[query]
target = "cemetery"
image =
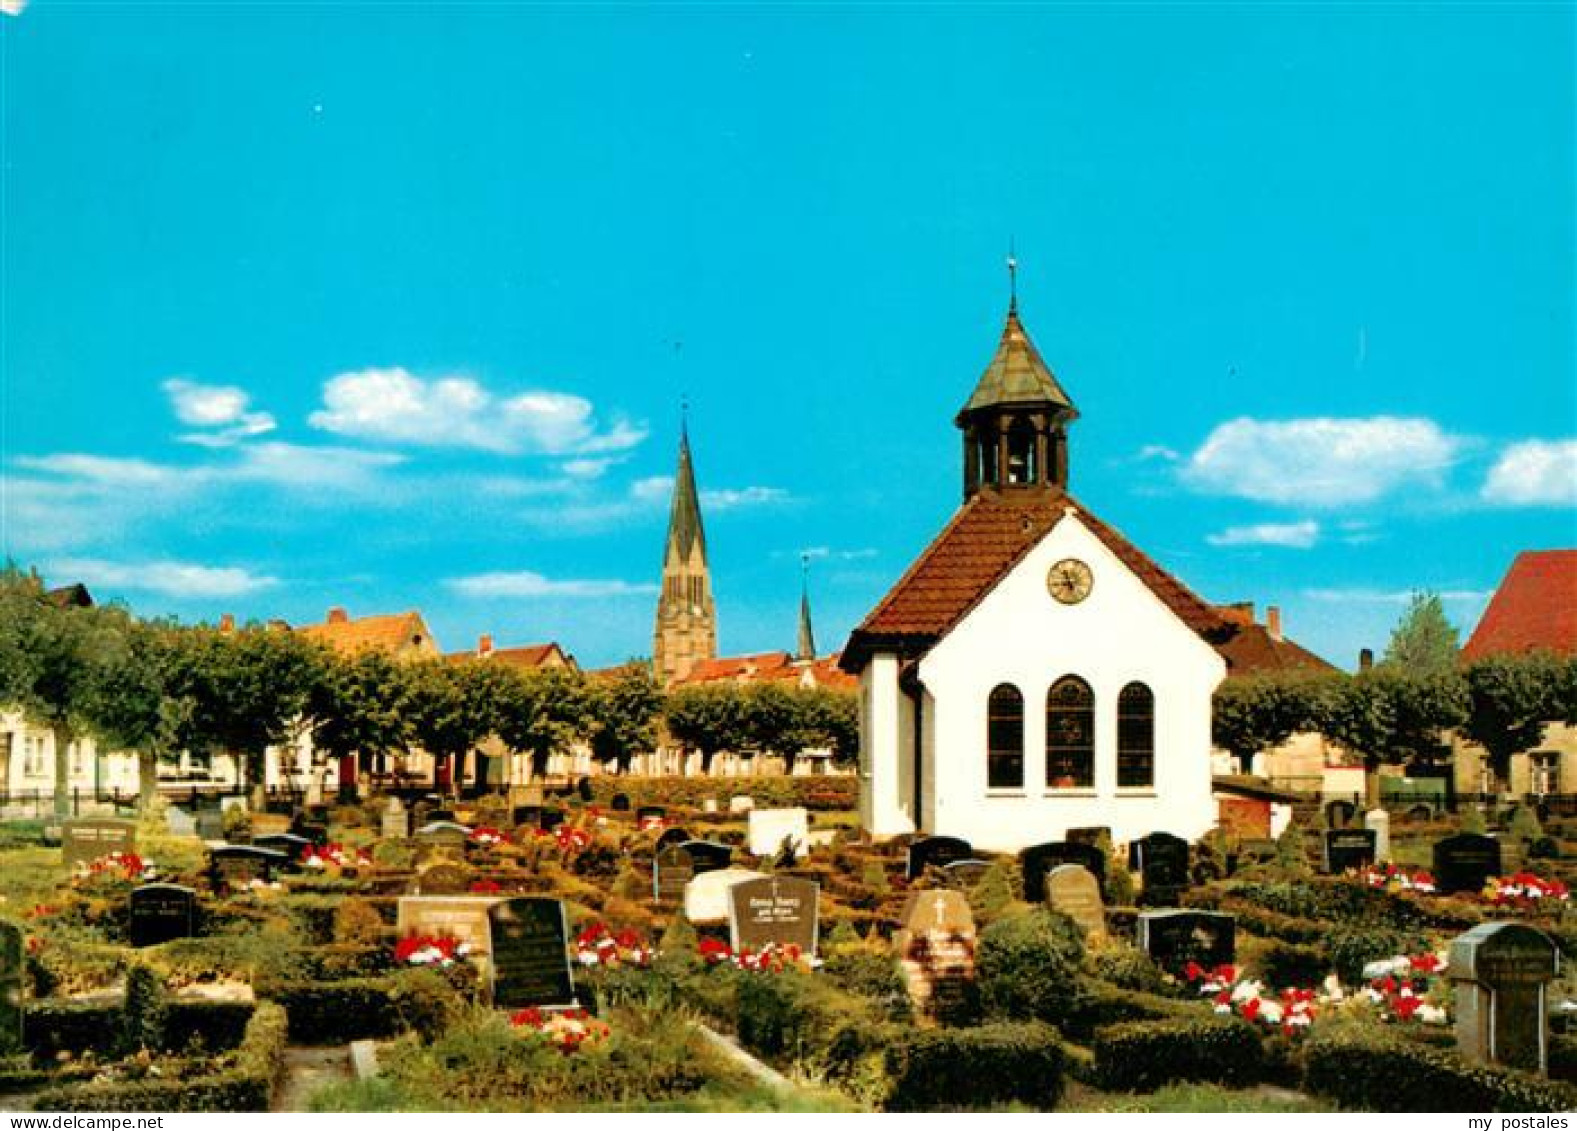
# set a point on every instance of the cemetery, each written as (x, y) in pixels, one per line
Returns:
(621, 958)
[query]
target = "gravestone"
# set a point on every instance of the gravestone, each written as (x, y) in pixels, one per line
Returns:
(86, 839)
(211, 824)
(709, 805)
(1039, 859)
(777, 910)
(620, 803)
(583, 790)
(292, 845)
(1091, 835)
(708, 856)
(446, 834)
(1465, 862)
(936, 852)
(769, 828)
(550, 819)
(672, 836)
(12, 970)
(526, 816)
(1500, 973)
(462, 917)
(438, 813)
(1348, 848)
(649, 815)
(395, 821)
(965, 873)
(530, 953)
(161, 912)
(1378, 821)
(1340, 814)
(1173, 939)
(740, 803)
(672, 870)
(443, 878)
(1075, 891)
(267, 824)
(179, 822)
(706, 896)
(936, 952)
(232, 866)
(1161, 860)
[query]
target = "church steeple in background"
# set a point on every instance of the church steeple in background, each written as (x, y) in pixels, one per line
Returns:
(686, 631)
(805, 648)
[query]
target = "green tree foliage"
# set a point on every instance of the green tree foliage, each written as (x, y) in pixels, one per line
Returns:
(1423, 641)
(142, 703)
(1257, 712)
(452, 708)
(360, 707)
(1511, 700)
(543, 712)
(1389, 715)
(623, 711)
(707, 718)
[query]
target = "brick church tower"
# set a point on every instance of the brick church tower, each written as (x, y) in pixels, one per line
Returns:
(686, 630)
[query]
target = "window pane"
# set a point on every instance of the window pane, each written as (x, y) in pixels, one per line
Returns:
(1136, 736)
(1070, 734)
(1005, 739)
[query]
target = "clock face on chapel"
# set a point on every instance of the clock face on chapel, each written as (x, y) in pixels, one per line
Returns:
(1069, 581)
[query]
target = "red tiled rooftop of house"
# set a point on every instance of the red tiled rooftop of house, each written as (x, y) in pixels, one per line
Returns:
(394, 632)
(1535, 607)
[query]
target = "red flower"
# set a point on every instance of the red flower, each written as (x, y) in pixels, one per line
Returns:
(1250, 1009)
(1193, 971)
(485, 887)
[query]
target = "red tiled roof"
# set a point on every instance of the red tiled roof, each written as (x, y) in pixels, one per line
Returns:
(985, 539)
(1251, 648)
(526, 656)
(395, 632)
(1535, 607)
(764, 667)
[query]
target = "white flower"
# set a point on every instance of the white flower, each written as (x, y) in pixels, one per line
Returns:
(1431, 1015)
(1271, 1011)
(1246, 990)
(1223, 1009)
(1332, 988)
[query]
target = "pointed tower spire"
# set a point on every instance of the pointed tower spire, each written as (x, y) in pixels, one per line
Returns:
(686, 630)
(805, 652)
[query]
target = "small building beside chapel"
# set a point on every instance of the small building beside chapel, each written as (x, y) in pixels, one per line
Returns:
(1034, 671)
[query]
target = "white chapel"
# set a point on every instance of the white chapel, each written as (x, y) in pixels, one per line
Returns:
(1033, 671)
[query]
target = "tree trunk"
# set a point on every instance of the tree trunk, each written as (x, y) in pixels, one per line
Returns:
(1371, 784)
(147, 780)
(62, 735)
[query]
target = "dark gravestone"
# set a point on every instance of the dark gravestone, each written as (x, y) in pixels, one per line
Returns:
(551, 819)
(446, 833)
(648, 813)
(210, 824)
(965, 873)
(620, 803)
(530, 953)
(672, 870)
(232, 866)
(777, 910)
(936, 852)
(707, 856)
(1039, 859)
(672, 836)
(291, 844)
(1093, 835)
(11, 971)
(1348, 848)
(161, 912)
(1161, 860)
(583, 789)
(1340, 814)
(527, 816)
(438, 813)
(1500, 972)
(88, 839)
(1173, 939)
(443, 878)
(1465, 862)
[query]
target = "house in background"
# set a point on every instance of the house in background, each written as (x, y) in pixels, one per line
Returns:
(1534, 609)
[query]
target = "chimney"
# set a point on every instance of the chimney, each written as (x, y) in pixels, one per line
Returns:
(1238, 612)
(338, 615)
(1365, 659)
(227, 622)
(1273, 621)
(484, 644)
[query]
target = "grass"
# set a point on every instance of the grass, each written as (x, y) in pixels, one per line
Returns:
(1193, 1098)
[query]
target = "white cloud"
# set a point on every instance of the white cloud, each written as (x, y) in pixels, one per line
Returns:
(1534, 473)
(822, 553)
(727, 499)
(1320, 461)
(300, 465)
(396, 405)
(103, 470)
(220, 409)
(1296, 535)
(170, 578)
(1158, 452)
(12, 7)
(524, 583)
(1363, 596)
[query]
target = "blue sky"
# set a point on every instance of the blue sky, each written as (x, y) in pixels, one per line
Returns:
(392, 306)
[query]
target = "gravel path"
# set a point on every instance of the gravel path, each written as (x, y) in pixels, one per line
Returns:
(307, 1070)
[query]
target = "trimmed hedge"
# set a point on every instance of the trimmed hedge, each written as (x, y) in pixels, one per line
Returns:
(245, 1083)
(818, 793)
(1027, 967)
(802, 1020)
(336, 1013)
(52, 1027)
(991, 1064)
(1378, 1071)
(1142, 1056)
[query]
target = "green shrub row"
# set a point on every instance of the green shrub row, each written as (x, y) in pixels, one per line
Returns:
(354, 1009)
(981, 1067)
(1378, 1071)
(52, 1027)
(1142, 1056)
(243, 1082)
(819, 793)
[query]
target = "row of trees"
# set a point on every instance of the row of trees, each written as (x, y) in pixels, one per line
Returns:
(1396, 714)
(160, 688)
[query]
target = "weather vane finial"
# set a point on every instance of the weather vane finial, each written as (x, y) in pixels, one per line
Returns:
(1012, 279)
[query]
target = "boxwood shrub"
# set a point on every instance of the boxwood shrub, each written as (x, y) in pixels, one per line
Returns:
(1027, 967)
(1375, 1070)
(979, 1067)
(803, 1021)
(1142, 1056)
(354, 1009)
(817, 793)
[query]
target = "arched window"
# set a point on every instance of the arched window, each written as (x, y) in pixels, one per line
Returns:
(1070, 734)
(988, 460)
(1005, 738)
(1021, 454)
(1135, 736)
